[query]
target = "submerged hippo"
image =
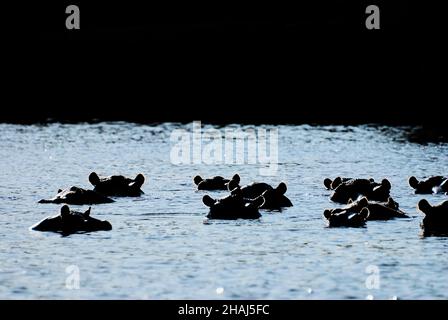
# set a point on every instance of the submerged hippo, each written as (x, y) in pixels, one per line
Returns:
(77, 196)
(333, 184)
(68, 222)
(117, 186)
(346, 219)
(274, 198)
(435, 221)
(215, 183)
(233, 206)
(377, 210)
(355, 188)
(436, 184)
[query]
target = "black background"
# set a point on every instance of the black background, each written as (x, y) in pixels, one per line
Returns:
(225, 61)
(277, 309)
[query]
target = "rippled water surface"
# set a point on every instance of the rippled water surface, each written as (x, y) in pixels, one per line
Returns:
(160, 247)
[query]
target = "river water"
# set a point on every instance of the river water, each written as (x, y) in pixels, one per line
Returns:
(161, 247)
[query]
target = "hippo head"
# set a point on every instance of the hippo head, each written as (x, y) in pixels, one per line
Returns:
(275, 199)
(233, 206)
(346, 219)
(341, 193)
(420, 187)
(435, 221)
(68, 222)
(351, 207)
(215, 183)
(78, 196)
(381, 192)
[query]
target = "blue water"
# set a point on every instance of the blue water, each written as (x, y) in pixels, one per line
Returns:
(160, 247)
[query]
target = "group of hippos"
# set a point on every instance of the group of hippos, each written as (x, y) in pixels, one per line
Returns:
(363, 200)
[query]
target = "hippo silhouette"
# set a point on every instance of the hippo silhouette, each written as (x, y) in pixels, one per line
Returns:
(332, 184)
(68, 222)
(117, 186)
(355, 188)
(77, 196)
(345, 218)
(214, 183)
(436, 184)
(233, 206)
(377, 210)
(274, 198)
(435, 221)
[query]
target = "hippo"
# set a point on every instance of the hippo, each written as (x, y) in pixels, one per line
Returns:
(68, 222)
(332, 184)
(347, 219)
(354, 188)
(233, 206)
(117, 186)
(436, 184)
(77, 196)
(274, 198)
(435, 221)
(214, 183)
(377, 210)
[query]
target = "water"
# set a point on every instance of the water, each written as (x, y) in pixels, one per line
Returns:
(160, 247)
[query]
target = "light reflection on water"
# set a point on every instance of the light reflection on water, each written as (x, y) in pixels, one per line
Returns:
(160, 246)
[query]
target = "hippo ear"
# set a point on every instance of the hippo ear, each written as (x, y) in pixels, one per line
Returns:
(140, 179)
(281, 188)
(208, 201)
(371, 180)
(364, 213)
(386, 183)
(363, 202)
(59, 190)
(336, 182)
(413, 182)
(87, 213)
(327, 183)
(232, 185)
(236, 178)
(327, 214)
(424, 206)
(197, 180)
(65, 211)
(94, 179)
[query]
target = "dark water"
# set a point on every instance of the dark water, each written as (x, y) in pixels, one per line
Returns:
(160, 246)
